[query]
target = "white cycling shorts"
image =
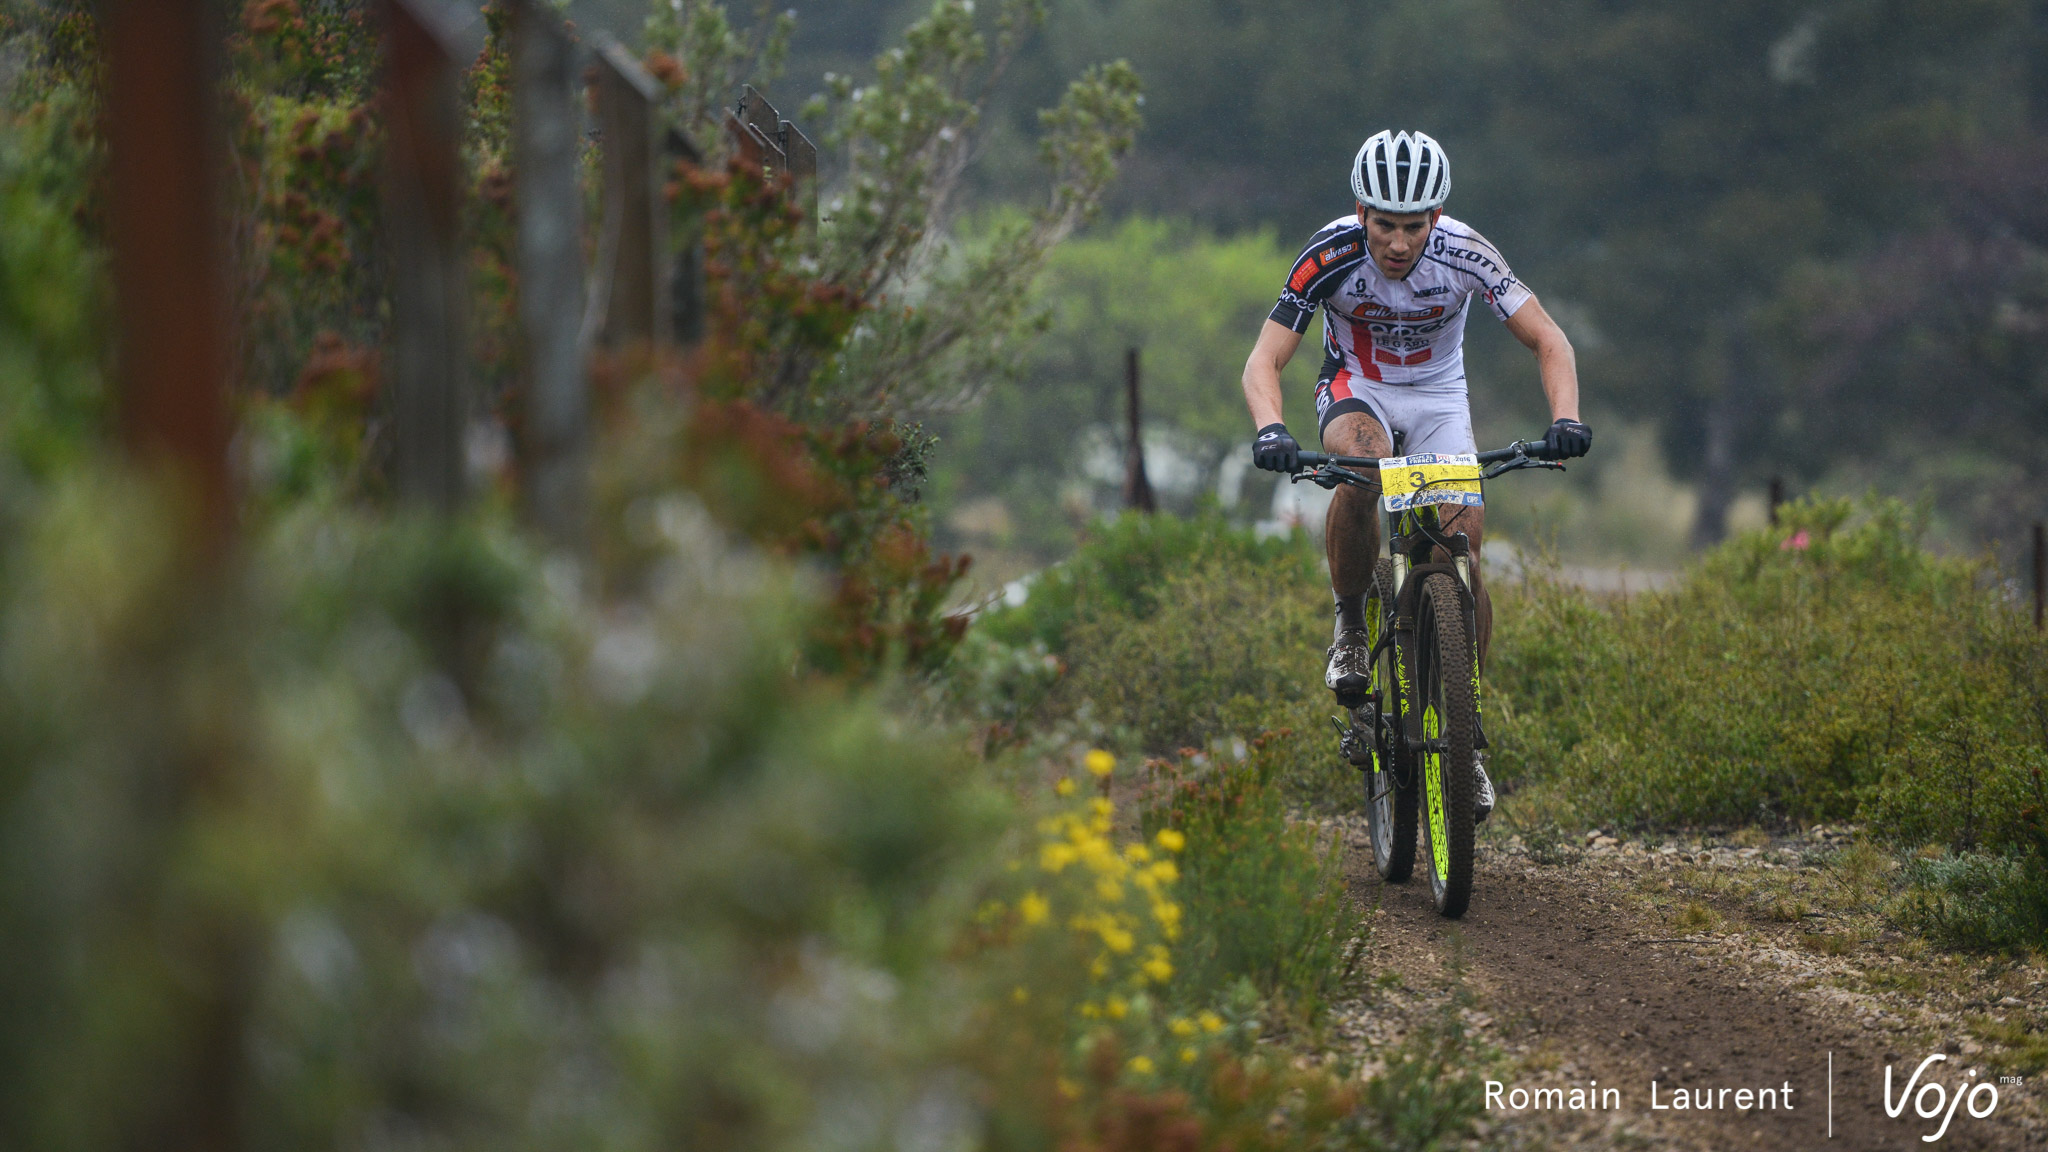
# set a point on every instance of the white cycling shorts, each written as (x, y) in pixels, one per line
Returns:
(1430, 417)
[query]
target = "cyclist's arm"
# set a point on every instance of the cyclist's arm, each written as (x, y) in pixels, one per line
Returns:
(1275, 348)
(1554, 358)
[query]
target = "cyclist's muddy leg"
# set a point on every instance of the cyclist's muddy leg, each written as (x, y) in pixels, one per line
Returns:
(1352, 532)
(1472, 522)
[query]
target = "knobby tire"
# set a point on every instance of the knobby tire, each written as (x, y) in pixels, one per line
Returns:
(1390, 780)
(1444, 692)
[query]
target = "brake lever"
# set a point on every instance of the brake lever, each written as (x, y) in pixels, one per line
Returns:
(1517, 462)
(1328, 477)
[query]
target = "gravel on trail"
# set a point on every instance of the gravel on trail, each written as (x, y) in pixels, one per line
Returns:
(1576, 968)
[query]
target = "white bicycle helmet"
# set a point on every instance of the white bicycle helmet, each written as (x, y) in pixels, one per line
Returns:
(1401, 173)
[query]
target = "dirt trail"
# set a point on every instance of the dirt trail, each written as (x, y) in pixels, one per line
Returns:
(1574, 979)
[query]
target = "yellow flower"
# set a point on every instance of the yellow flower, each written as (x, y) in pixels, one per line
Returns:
(1020, 994)
(1055, 857)
(1090, 1011)
(1142, 1065)
(1171, 839)
(1167, 913)
(1210, 1021)
(1033, 908)
(1187, 1055)
(1109, 891)
(1117, 939)
(1100, 763)
(1068, 1088)
(1102, 807)
(1164, 872)
(1116, 1008)
(1182, 1026)
(1159, 970)
(1065, 787)
(1137, 853)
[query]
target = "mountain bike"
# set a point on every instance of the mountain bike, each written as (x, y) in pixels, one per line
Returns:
(1417, 733)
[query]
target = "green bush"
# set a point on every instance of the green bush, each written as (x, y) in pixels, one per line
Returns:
(1165, 633)
(1264, 898)
(51, 287)
(1230, 648)
(1979, 903)
(1824, 668)
(1122, 567)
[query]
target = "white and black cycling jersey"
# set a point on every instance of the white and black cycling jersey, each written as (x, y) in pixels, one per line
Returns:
(1408, 331)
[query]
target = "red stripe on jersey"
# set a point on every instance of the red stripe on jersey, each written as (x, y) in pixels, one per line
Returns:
(1340, 385)
(1303, 273)
(1362, 350)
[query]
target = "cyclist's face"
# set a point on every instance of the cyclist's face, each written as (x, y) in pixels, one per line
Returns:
(1395, 239)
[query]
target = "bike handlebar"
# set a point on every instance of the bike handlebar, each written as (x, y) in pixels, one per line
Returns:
(1533, 449)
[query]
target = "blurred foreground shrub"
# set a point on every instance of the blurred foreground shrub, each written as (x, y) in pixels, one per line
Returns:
(395, 835)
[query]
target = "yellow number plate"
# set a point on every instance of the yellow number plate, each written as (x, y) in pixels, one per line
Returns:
(1431, 478)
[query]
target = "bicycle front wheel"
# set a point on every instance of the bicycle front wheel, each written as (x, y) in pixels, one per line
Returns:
(1390, 778)
(1444, 692)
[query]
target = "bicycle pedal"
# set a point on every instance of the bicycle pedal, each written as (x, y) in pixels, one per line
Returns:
(1356, 749)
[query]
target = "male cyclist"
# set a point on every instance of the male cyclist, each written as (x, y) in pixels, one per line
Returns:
(1393, 280)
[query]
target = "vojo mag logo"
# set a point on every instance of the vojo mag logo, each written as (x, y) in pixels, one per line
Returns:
(1933, 1099)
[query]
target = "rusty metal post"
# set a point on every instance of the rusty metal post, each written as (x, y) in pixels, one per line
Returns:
(634, 245)
(1137, 488)
(777, 146)
(754, 126)
(422, 217)
(800, 160)
(549, 202)
(2040, 574)
(171, 290)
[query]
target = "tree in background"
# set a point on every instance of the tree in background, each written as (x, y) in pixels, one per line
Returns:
(940, 320)
(1681, 179)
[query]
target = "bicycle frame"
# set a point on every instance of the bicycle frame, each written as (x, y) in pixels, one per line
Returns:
(1414, 539)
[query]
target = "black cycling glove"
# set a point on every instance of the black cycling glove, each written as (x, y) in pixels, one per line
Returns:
(1275, 450)
(1567, 439)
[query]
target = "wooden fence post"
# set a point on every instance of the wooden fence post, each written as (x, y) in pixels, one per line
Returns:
(633, 244)
(160, 124)
(1137, 486)
(422, 218)
(554, 429)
